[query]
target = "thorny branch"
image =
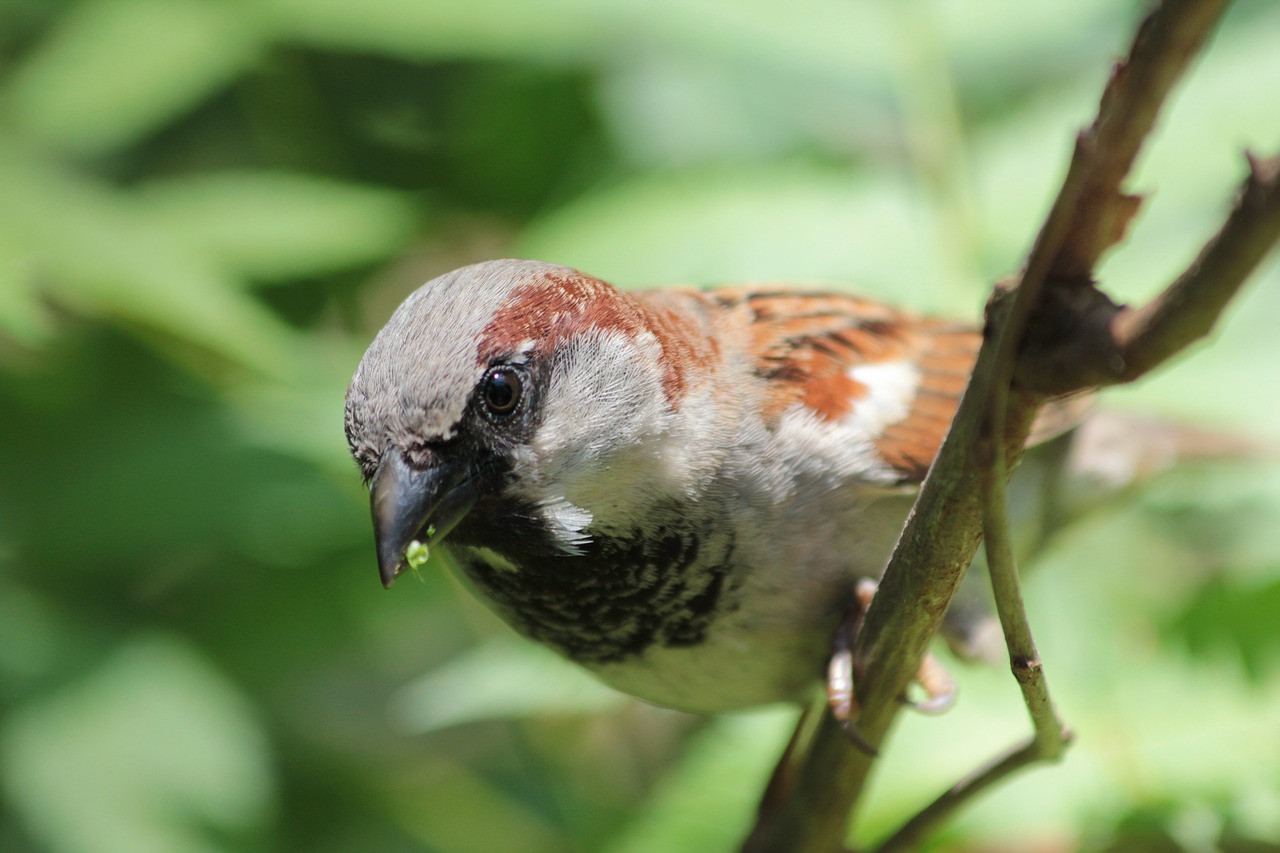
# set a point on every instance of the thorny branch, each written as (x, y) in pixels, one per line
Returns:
(1050, 332)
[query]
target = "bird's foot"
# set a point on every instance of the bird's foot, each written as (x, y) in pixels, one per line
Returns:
(938, 685)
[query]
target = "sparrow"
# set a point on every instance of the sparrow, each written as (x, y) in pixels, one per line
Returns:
(677, 489)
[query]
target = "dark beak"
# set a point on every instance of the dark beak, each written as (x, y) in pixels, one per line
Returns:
(407, 503)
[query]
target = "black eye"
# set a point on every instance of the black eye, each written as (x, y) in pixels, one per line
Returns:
(501, 391)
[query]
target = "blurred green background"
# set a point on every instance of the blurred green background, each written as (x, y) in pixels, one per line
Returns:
(207, 208)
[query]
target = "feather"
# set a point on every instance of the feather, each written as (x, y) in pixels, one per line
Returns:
(894, 376)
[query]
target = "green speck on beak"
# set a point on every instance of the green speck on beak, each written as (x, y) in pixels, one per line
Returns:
(417, 553)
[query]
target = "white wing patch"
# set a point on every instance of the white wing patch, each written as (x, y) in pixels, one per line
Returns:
(846, 449)
(891, 386)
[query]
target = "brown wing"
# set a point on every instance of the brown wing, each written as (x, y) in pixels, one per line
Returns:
(813, 348)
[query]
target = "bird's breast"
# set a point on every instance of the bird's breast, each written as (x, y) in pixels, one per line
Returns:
(617, 599)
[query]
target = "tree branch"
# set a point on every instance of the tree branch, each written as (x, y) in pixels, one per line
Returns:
(930, 817)
(1164, 45)
(1082, 339)
(1054, 296)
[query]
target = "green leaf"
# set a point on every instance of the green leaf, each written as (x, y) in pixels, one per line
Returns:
(557, 28)
(145, 753)
(300, 417)
(454, 810)
(1227, 620)
(91, 250)
(994, 47)
(21, 314)
(276, 225)
(794, 224)
(113, 70)
(33, 633)
(708, 800)
(500, 680)
(827, 39)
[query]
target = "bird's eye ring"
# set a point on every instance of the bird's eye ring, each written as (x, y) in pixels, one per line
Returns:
(501, 390)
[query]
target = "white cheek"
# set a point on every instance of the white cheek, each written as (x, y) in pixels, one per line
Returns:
(599, 398)
(594, 455)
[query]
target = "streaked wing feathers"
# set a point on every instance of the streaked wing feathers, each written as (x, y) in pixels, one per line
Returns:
(841, 356)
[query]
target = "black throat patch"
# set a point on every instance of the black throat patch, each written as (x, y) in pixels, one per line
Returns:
(617, 598)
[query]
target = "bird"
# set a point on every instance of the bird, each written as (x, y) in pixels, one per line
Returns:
(678, 489)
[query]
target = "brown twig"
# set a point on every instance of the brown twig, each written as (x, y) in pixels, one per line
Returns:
(1182, 314)
(913, 831)
(1083, 339)
(1050, 737)
(1164, 45)
(940, 538)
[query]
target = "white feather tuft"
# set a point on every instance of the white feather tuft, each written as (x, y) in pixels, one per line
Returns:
(891, 386)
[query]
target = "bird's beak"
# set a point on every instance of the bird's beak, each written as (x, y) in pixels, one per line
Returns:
(415, 505)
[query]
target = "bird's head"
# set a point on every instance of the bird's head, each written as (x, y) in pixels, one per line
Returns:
(514, 405)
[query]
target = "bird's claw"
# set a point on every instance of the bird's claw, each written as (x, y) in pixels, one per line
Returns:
(938, 685)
